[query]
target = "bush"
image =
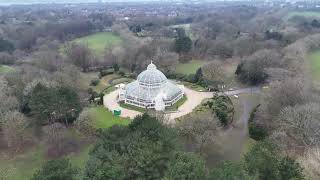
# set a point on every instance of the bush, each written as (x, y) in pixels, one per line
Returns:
(105, 72)
(94, 82)
(115, 67)
(256, 132)
(222, 106)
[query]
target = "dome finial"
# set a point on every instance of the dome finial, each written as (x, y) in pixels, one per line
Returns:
(151, 66)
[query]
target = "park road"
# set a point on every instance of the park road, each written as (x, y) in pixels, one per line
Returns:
(194, 98)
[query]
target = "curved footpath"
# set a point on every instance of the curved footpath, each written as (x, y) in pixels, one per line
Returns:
(194, 98)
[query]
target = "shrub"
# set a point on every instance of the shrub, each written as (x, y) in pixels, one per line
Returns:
(222, 106)
(94, 82)
(115, 67)
(256, 132)
(105, 72)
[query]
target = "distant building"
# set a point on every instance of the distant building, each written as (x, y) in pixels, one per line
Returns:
(151, 90)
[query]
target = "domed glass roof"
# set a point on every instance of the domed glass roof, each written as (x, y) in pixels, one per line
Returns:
(151, 90)
(152, 76)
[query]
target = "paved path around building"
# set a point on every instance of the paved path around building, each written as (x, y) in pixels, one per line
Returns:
(194, 98)
(111, 103)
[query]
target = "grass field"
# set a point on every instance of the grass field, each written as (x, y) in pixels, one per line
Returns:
(307, 14)
(314, 60)
(230, 80)
(99, 41)
(189, 68)
(132, 107)
(105, 119)
(5, 69)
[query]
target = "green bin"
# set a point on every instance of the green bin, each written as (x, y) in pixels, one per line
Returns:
(117, 112)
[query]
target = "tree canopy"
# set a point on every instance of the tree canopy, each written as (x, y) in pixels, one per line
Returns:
(54, 104)
(260, 163)
(183, 44)
(6, 45)
(60, 169)
(144, 150)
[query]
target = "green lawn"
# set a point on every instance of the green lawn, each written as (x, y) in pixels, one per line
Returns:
(5, 69)
(307, 14)
(105, 118)
(99, 41)
(132, 107)
(189, 68)
(315, 64)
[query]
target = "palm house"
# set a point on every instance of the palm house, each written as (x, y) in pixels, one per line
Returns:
(151, 90)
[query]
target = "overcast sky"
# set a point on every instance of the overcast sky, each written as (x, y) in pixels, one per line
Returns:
(69, 1)
(8, 2)
(57, 1)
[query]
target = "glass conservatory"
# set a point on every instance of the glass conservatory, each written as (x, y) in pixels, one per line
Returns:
(151, 90)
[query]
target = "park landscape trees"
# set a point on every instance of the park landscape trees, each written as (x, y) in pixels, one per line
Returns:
(53, 104)
(48, 87)
(131, 153)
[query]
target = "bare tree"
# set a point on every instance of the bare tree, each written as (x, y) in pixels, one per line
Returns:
(47, 60)
(301, 123)
(213, 71)
(267, 58)
(60, 141)
(15, 130)
(287, 93)
(166, 60)
(80, 56)
(84, 123)
(202, 128)
(311, 163)
(6, 58)
(69, 76)
(7, 101)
